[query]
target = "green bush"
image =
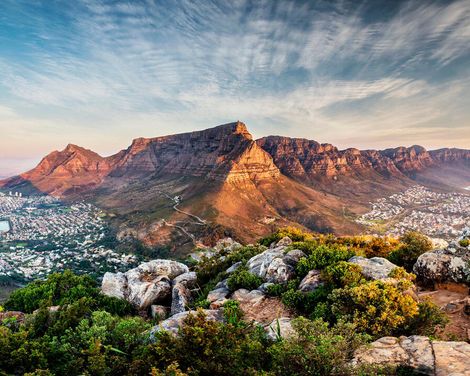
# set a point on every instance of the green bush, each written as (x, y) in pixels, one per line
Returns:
(295, 234)
(414, 245)
(343, 274)
(464, 242)
(375, 307)
(61, 289)
(322, 256)
(316, 349)
(243, 279)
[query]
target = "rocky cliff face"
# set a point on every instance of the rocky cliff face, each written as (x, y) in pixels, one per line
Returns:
(309, 160)
(226, 152)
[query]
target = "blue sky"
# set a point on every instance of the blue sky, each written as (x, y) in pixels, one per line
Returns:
(370, 74)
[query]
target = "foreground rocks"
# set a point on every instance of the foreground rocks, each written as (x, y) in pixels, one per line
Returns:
(450, 264)
(375, 268)
(150, 283)
(424, 356)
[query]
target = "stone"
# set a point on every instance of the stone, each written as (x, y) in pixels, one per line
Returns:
(227, 244)
(187, 279)
(147, 284)
(223, 283)
(233, 267)
(311, 281)
(437, 358)
(451, 264)
(259, 264)
(115, 285)
(281, 327)
(218, 297)
(17, 315)
(173, 323)
(180, 298)
(158, 311)
(451, 358)
(159, 267)
(278, 271)
(375, 268)
(293, 257)
(264, 287)
(143, 294)
(284, 242)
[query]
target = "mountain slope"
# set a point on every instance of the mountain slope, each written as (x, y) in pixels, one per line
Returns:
(229, 184)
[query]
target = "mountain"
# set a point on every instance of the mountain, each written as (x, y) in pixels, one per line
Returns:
(230, 184)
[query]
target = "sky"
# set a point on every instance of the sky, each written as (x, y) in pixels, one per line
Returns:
(96, 73)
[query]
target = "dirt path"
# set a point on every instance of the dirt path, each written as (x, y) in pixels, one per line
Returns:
(451, 299)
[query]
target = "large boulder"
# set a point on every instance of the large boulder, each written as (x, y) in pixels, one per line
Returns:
(115, 285)
(142, 293)
(173, 323)
(424, 356)
(259, 264)
(279, 271)
(218, 297)
(375, 268)
(446, 265)
(180, 298)
(147, 284)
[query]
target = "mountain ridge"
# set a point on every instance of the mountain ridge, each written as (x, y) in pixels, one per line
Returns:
(246, 186)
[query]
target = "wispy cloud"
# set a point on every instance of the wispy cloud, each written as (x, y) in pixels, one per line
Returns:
(395, 72)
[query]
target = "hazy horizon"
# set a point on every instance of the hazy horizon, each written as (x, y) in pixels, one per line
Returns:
(98, 74)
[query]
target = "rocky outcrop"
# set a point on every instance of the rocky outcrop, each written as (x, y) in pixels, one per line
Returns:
(148, 284)
(181, 293)
(424, 356)
(375, 268)
(446, 265)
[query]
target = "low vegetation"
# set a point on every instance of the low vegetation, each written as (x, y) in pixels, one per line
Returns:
(89, 334)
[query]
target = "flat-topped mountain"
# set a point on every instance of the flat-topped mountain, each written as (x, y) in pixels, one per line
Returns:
(236, 185)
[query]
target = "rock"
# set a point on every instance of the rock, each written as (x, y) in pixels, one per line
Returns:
(227, 244)
(311, 281)
(188, 279)
(259, 264)
(278, 271)
(17, 315)
(115, 285)
(143, 294)
(168, 268)
(281, 327)
(264, 287)
(248, 297)
(419, 353)
(180, 297)
(293, 257)
(158, 311)
(173, 323)
(374, 268)
(233, 267)
(451, 358)
(284, 242)
(218, 297)
(446, 265)
(223, 283)
(146, 284)
(414, 351)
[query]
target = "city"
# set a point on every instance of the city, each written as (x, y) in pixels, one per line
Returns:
(438, 215)
(40, 235)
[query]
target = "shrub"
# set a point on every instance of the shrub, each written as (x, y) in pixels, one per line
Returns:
(322, 256)
(293, 233)
(430, 317)
(374, 307)
(61, 289)
(305, 302)
(464, 242)
(343, 274)
(243, 279)
(316, 349)
(414, 245)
